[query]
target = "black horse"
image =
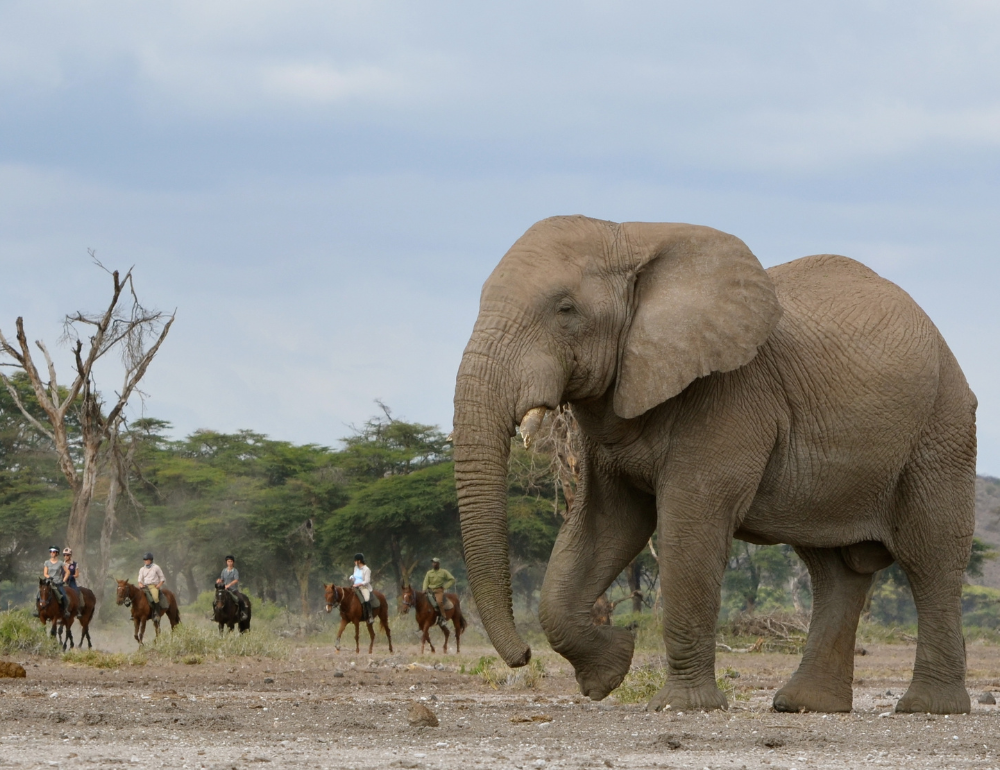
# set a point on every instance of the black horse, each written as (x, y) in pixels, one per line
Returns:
(227, 609)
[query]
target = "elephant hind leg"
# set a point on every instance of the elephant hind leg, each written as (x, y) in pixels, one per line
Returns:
(932, 541)
(823, 681)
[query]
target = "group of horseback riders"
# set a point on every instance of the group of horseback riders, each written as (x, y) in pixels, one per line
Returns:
(63, 574)
(436, 582)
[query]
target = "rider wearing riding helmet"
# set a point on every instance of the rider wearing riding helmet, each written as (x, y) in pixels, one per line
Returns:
(55, 571)
(71, 573)
(230, 580)
(361, 579)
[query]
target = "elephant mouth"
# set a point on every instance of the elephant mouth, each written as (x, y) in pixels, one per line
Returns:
(530, 424)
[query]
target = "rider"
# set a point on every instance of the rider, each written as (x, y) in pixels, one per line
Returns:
(362, 582)
(436, 582)
(71, 573)
(55, 571)
(230, 579)
(150, 580)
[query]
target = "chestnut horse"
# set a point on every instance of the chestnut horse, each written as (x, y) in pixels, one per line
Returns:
(49, 609)
(135, 598)
(427, 617)
(350, 612)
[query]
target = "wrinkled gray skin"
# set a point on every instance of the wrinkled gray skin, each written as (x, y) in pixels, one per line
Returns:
(813, 404)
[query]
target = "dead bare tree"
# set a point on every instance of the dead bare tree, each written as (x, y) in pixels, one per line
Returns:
(125, 327)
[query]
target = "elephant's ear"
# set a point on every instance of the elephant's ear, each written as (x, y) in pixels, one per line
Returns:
(701, 303)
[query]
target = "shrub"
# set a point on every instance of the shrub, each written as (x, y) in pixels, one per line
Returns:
(22, 633)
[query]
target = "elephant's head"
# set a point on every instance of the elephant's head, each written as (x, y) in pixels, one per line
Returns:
(578, 309)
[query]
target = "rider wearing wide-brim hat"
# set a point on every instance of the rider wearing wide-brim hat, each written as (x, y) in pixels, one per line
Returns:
(436, 582)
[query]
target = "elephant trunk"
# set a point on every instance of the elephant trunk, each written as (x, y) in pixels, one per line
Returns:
(484, 424)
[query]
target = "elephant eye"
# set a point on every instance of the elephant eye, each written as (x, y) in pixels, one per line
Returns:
(566, 307)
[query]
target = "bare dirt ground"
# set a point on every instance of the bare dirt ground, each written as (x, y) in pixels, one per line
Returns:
(320, 709)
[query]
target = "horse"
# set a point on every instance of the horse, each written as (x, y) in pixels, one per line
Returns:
(135, 598)
(427, 617)
(50, 609)
(350, 612)
(226, 609)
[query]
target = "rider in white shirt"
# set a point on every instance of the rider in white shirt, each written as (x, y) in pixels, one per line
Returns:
(361, 579)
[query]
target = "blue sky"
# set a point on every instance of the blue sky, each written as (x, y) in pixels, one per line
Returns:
(320, 188)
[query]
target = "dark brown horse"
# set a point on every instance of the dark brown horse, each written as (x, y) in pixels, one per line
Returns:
(135, 598)
(226, 610)
(427, 617)
(50, 609)
(350, 612)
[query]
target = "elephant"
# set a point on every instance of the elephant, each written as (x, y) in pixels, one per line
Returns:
(813, 404)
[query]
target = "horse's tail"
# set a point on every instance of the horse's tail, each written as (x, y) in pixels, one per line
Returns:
(461, 621)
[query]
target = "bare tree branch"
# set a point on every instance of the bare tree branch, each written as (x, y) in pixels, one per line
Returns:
(27, 415)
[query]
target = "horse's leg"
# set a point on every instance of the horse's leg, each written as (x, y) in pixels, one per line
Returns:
(340, 633)
(371, 632)
(357, 637)
(458, 635)
(385, 626)
(447, 634)
(140, 628)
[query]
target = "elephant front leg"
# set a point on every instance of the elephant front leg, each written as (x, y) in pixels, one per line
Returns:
(608, 527)
(694, 546)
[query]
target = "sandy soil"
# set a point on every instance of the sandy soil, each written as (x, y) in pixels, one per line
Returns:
(321, 709)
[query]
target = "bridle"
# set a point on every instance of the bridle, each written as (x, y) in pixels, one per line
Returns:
(47, 585)
(413, 596)
(338, 597)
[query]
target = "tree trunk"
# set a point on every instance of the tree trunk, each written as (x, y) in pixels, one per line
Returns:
(76, 530)
(634, 575)
(302, 572)
(398, 568)
(97, 585)
(192, 585)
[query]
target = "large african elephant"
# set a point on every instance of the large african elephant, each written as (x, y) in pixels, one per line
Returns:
(813, 404)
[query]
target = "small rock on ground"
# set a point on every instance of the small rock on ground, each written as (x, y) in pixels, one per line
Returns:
(11, 670)
(421, 716)
(987, 699)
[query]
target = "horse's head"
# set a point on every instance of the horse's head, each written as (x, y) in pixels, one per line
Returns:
(332, 595)
(44, 593)
(408, 597)
(122, 592)
(220, 596)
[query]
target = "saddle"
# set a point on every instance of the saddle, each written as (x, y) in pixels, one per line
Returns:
(374, 599)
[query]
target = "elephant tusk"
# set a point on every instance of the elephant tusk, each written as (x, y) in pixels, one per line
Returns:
(530, 424)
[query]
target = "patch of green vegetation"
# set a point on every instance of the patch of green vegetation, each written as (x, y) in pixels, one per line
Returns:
(193, 644)
(109, 660)
(494, 672)
(22, 633)
(640, 684)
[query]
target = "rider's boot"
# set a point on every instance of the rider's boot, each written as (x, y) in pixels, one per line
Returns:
(442, 620)
(369, 615)
(243, 613)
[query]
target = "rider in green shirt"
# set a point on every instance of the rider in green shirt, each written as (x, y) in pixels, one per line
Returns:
(436, 582)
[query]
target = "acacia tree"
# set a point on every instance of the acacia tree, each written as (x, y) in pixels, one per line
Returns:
(126, 328)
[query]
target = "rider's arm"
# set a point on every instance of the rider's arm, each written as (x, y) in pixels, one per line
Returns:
(45, 570)
(427, 578)
(449, 580)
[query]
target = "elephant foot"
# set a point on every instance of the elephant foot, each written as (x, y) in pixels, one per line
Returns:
(598, 678)
(928, 698)
(677, 698)
(804, 695)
